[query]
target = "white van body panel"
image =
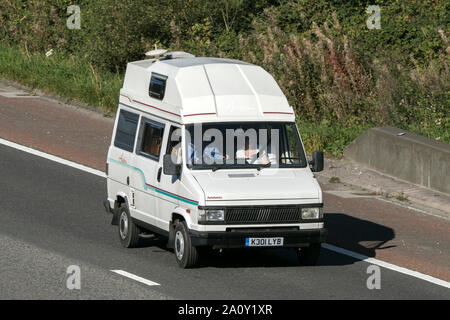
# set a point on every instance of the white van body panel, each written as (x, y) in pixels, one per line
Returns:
(267, 184)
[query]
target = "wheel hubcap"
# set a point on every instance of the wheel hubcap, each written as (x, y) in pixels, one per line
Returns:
(179, 245)
(123, 225)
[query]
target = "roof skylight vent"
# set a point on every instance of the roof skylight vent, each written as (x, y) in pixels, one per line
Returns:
(178, 55)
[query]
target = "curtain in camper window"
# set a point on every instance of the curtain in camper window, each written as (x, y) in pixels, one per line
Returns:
(152, 135)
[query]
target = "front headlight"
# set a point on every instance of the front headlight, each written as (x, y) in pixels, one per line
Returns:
(312, 213)
(211, 215)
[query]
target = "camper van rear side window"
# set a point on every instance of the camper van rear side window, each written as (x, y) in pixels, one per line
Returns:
(157, 86)
(126, 130)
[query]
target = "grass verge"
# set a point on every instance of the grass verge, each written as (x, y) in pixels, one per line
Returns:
(63, 75)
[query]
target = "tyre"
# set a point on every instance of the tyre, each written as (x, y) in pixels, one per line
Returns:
(128, 230)
(185, 253)
(308, 256)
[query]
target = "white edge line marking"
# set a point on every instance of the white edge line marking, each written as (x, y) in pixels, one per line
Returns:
(387, 265)
(136, 278)
(52, 158)
(324, 245)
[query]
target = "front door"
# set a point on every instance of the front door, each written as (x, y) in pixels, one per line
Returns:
(168, 185)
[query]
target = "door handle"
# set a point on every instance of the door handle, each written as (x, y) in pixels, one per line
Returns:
(128, 181)
(159, 174)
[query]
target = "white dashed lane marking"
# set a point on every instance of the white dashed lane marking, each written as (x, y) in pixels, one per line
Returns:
(136, 278)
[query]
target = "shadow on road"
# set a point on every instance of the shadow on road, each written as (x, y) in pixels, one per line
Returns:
(345, 231)
(358, 235)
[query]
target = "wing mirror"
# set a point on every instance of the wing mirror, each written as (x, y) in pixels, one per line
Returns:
(316, 163)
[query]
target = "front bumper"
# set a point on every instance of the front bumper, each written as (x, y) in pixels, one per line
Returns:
(236, 239)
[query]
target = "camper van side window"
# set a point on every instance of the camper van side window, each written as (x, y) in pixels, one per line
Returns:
(157, 86)
(126, 130)
(151, 139)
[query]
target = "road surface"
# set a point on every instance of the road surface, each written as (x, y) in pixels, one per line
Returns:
(52, 217)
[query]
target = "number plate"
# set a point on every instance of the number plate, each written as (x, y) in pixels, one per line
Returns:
(264, 242)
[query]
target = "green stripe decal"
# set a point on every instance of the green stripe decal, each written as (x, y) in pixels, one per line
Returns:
(148, 186)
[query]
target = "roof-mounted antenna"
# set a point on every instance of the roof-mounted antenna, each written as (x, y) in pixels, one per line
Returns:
(156, 54)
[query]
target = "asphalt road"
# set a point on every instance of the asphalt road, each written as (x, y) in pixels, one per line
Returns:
(51, 217)
(357, 220)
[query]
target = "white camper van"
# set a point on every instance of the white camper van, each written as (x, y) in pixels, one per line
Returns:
(205, 152)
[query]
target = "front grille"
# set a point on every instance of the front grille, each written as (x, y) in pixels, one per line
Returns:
(263, 214)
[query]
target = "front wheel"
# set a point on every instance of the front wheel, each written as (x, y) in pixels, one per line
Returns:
(185, 253)
(308, 256)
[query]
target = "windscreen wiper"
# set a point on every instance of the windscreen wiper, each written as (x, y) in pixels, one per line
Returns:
(266, 165)
(214, 169)
(244, 166)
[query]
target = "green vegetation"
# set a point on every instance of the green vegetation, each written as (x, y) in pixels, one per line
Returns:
(65, 76)
(334, 180)
(341, 77)
(401, 197)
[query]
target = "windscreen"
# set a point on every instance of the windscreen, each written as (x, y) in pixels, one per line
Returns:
(243, 145)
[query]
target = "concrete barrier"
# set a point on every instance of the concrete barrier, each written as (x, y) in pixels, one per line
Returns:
(404, 155)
